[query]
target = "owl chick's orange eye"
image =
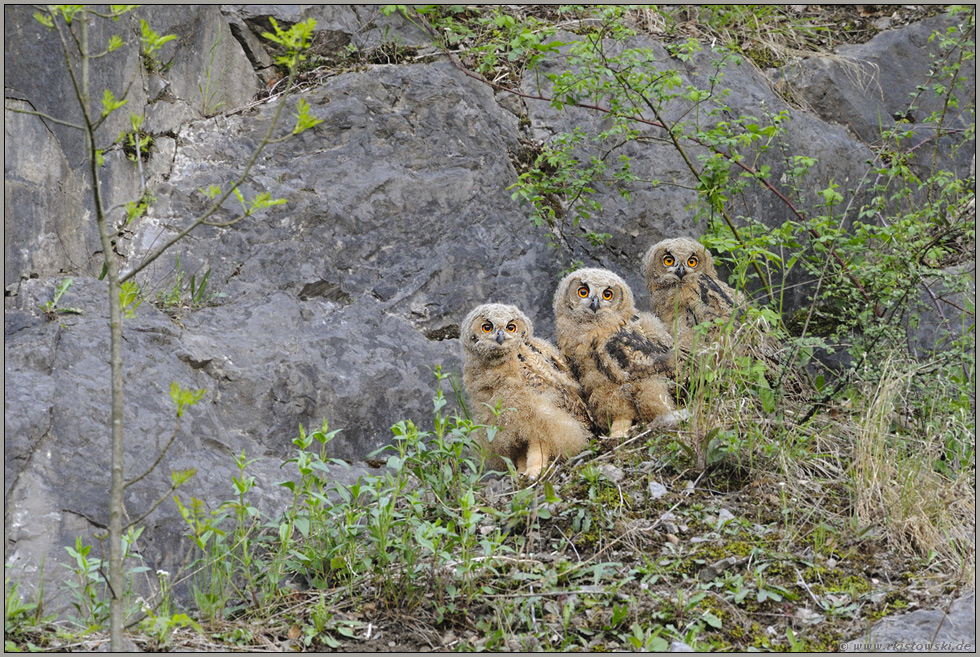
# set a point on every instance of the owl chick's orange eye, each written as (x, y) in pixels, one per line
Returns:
(583, 291)
(511, 327)
(487, 327)
(692, 261)
(668, 260)
(607, 294)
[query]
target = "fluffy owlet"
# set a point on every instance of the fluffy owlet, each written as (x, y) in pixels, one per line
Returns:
(684, 288)
(503, 363)
(620, 356)
(685, 291)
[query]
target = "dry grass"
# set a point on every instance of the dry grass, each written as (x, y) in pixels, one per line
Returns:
(869, 458)
(895, 482)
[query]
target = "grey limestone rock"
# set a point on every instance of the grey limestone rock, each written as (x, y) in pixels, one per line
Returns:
(924, 630)
(337, 305)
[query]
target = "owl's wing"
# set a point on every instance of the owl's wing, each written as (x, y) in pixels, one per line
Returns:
(558, 377)
(550, 354)
(717, 298)
(634, 353)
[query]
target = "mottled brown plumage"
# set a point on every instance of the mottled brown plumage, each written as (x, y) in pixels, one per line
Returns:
(620, 356)
(685, 289)
(503, 363)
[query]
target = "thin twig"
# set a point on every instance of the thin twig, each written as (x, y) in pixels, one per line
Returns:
(217, 203)
(660, 124)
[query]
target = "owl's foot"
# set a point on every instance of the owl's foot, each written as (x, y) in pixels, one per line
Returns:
(620, 427)
(537, 459)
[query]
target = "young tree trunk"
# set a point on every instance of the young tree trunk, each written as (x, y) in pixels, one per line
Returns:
(115, 575)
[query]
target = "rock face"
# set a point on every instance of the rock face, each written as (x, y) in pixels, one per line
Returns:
(925, 630)
(336, 305)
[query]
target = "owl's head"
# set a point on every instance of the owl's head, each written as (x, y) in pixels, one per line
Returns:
(670, 262)
(494, 330)
(593, 295)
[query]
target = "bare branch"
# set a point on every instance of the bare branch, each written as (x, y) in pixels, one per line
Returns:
(217, 204)
(46, 117)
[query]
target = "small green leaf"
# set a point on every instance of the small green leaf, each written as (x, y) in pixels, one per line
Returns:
(178, 477)
(211, 192)
(130, 298)
(303, 119)
(712, 620)
(183, 398)
(119, 10)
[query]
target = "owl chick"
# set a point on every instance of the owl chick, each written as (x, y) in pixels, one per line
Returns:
(503, 363)
(620, 356)
(685, 289)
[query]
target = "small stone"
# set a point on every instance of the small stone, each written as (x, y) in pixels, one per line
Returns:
(724, 517)
(611, 472)
(510, 102)
(804, 616)
(679, 646)
(673, 539)
(708, 573)
(657, 490)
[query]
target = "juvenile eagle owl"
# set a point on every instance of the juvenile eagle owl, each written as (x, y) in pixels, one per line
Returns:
(620, 356)
(685, 289)
(503, 363)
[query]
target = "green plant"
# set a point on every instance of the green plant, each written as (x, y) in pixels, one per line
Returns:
(150, 43)
(20, 618)
(90, 585)
(50, 308)
(561, 192)
(138, 208)
(491, 40)
(210, 99)
(130, 298)
(161, 626)
(647, 640)
(138, 143)
(192, 292)
(71, 25)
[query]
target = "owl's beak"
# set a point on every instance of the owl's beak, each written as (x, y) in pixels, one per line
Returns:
(500, 337)
(595, 304)
(680, 271)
